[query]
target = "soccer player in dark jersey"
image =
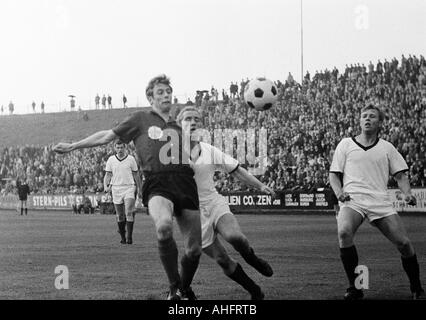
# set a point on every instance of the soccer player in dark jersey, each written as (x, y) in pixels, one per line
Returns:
(23, 192)
(169, 189)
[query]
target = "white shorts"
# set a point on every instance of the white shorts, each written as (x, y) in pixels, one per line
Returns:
(210, 215)
(119, 193)
(369, 206)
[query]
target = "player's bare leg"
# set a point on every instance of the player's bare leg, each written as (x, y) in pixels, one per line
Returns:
(348, 222)
(393, 228)
(129, 206)
(190, 226)
(230, 230)
(161, 212)
(121, 221)
(233, 269)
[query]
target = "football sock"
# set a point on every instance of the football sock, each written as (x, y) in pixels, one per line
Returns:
(169, 259)
(249, 256)
(122, 229)
(26, 211)
(240, 277)
(189, 267)
(243, 247)
(129, 229)
(22, 211)
(349, 257)
(411, 267)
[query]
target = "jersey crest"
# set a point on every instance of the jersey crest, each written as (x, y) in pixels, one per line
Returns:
(155, 133)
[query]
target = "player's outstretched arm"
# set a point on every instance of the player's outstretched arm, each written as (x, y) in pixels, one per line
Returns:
(336, 185)
(404, 185)
(246, 177)
(97, 139)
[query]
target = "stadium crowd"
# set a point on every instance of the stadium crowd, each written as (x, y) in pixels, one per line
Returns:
(47, 172)
(310, 119)
(303, 129)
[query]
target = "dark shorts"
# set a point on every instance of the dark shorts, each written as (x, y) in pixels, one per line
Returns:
(179, 188)
(22, 198)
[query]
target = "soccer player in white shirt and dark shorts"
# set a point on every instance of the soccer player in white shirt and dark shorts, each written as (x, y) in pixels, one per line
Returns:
(120, 178)
(365, 163)
(216, 216)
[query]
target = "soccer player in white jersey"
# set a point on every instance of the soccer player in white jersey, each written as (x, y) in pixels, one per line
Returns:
(216, 216)
(365, 163)
(120, 178)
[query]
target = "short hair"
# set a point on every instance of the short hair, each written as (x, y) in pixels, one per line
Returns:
(119, 141)
(373, 107)
(179, 117)
(162, 78)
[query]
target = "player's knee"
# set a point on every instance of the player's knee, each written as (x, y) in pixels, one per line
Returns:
(403, 244)
(345, 235)
(224, 261)
(129, 208)
(164, 231)
(130, 216)
(194, 251)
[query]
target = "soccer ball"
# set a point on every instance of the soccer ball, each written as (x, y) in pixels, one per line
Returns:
(260, 94)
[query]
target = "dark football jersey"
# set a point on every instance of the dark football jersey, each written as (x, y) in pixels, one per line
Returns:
(158, 143)
(23, 190)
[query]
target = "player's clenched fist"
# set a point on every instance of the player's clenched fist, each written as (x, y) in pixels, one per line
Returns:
(63, 147)
(344, 197)
(411, 200)
(268, 190)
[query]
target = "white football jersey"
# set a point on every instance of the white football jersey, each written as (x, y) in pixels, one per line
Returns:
(366, 170)
(210, 160)
(121, 170)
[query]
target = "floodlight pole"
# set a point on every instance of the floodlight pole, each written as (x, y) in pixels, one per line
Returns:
(301, 40)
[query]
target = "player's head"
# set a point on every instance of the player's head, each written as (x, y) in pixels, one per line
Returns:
(190, 119)
(120, 148)
(371, 119)
(159, 93)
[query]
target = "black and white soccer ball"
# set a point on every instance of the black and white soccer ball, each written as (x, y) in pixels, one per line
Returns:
(260, 94)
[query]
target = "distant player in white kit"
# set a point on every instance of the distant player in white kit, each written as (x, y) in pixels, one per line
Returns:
(365, 163)
(216, 216)
(120, 178)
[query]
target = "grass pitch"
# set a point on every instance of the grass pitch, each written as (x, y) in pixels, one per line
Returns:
(302, 250)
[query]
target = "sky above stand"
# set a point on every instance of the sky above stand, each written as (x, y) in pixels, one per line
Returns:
(53, 48)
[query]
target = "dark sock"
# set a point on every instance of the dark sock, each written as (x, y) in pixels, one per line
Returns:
(129, 229)
(349, 257)
(240, 277)
(189, 267)
(122, 229)
(248, 256)
(169, 259)
(411, 267)
(22, 211)
(26, 211)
